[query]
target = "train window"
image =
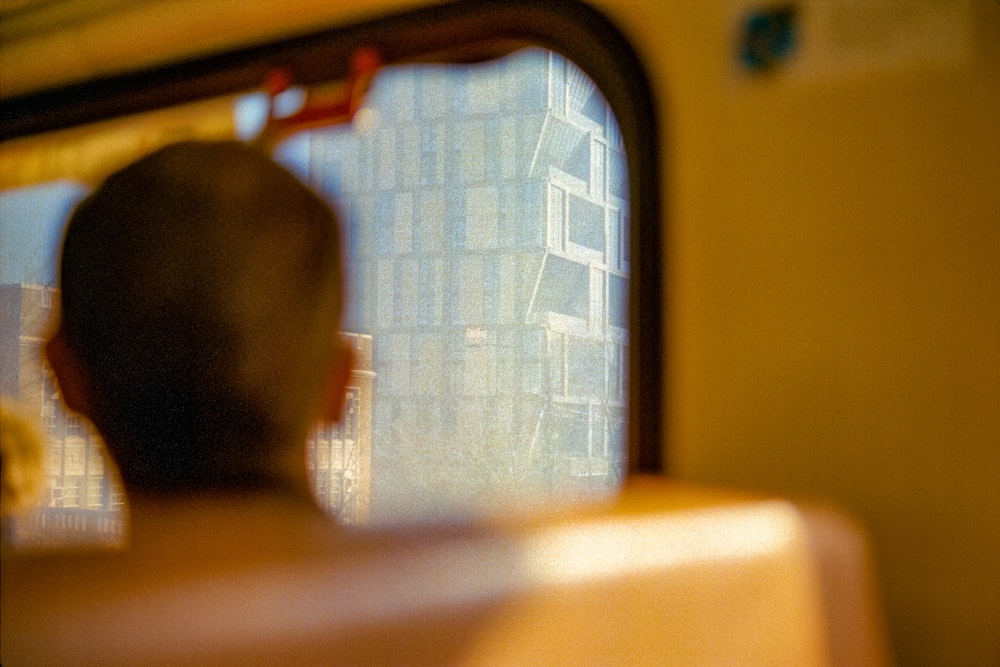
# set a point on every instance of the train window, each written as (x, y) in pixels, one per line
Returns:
(487, 211)
(482, 211)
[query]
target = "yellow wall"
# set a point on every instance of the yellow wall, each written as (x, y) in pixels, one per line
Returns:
(834, 294)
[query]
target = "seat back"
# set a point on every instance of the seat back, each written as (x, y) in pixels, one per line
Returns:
(667, 574)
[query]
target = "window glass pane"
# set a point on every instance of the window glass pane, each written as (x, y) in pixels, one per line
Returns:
(486, 221)
(79, 501)
(499, 331)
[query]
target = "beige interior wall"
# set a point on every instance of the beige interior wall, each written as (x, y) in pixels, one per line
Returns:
(834, 294)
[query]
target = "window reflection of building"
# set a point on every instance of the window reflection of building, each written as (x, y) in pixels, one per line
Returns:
(488, 216)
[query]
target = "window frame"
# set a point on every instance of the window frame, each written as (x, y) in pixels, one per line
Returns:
(461, 32)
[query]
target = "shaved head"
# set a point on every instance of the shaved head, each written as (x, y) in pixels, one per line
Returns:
(201, 291)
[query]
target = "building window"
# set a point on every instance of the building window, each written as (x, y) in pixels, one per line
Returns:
(557, 218)
(50, 404)
(586, 223)
(428, 156)
(428, 290)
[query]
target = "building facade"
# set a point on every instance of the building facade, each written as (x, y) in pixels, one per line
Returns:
(82, 499)
(77, 474)
(487, 217)
(338, 456)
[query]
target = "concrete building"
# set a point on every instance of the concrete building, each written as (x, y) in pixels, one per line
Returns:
(77, 474)
(338, 457)
(488, 220)
(83, 499)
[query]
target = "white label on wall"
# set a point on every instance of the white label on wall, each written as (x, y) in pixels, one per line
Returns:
(858, 37)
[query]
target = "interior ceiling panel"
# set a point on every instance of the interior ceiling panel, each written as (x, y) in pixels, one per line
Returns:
(47, 44)
(20, 19)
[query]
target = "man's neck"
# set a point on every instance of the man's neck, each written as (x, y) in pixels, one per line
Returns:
(226, 523)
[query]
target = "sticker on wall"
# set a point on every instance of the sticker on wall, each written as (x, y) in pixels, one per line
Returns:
(853, 38)
(768, 37)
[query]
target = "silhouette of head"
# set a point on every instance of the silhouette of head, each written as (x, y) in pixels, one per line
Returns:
(201, 293)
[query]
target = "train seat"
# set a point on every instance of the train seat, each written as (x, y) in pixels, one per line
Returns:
(664, 574)
(685, 575)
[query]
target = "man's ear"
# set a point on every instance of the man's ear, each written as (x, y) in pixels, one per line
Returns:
(335, 396)
(70, 373)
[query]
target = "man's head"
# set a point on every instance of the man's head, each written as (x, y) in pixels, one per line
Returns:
(201, 293)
